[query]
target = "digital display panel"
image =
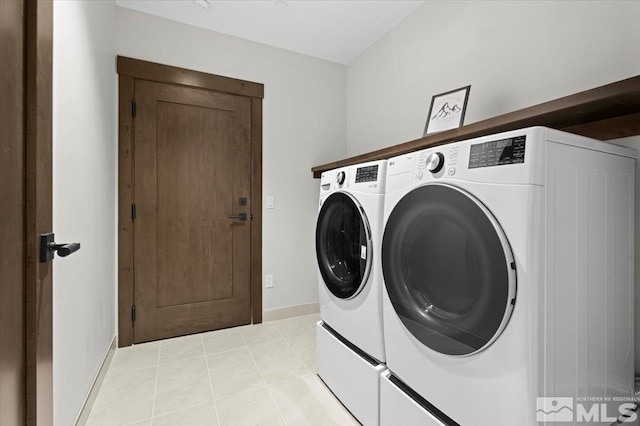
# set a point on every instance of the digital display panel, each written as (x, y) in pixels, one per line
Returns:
(367, 174)
(497, 153)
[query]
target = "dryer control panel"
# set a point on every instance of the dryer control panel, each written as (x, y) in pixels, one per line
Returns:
(498, 152)
(476, 160)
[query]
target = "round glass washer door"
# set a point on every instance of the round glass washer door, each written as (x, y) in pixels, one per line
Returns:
(448, 269)
(343, 245)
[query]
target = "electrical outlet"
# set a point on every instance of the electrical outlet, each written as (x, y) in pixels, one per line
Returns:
(268, 281)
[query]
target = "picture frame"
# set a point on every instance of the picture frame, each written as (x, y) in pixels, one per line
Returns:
(447, 110)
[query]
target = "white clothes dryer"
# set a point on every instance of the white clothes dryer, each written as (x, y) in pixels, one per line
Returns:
(350, 350)
(508, 268)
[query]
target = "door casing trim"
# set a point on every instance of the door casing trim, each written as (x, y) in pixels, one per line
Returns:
(129, 70)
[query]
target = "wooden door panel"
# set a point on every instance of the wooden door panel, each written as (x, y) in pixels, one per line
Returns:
(195, 152)
(191, 167)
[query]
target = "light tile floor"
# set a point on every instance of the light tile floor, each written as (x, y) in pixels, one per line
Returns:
(252, 375)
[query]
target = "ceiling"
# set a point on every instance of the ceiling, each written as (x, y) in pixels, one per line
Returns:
(335, 30)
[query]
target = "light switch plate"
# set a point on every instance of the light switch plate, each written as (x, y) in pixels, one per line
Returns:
(268, 281)
(271, 202)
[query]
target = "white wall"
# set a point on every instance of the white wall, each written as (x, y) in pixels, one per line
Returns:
(514, 55)
(304, 125)
(84, 197)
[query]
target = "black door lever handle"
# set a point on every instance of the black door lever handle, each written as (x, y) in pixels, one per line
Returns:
(48, 248)
(241, 217)
(65, 250)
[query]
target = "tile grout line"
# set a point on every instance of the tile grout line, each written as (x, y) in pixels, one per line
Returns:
(110, 372)
(173, 411)
(138, 421)
(181, 360)
(206, 362)
(295, 352)
(155, 388)
(226, 350)
(128, 371)
(265, 382)
(149, 366)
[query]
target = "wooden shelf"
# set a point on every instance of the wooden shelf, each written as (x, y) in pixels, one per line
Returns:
(607, 112)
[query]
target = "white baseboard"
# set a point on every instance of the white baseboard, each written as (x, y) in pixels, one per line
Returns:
(290, 311)
(97, 383)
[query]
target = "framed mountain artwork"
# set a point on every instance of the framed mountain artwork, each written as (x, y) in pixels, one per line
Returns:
(447, 111)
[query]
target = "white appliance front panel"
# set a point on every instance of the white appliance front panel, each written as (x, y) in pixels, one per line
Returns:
(398, 408)
(571, 232)
(352, 379)
(359, 319)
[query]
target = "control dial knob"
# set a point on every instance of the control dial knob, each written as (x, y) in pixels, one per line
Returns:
(340, 178)
(435, 162)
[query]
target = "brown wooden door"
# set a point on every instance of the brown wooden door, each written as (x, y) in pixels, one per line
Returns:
(192, 165)
(12, 262)
(26, 391)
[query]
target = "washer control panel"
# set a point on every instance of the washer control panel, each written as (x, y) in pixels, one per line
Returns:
(367, 177)
(367, 174)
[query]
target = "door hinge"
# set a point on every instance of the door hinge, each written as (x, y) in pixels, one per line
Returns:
(133, 313)
(133, 108)
(133, 211)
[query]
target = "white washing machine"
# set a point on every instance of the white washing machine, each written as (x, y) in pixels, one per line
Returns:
(350, 346)
(508, 267)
